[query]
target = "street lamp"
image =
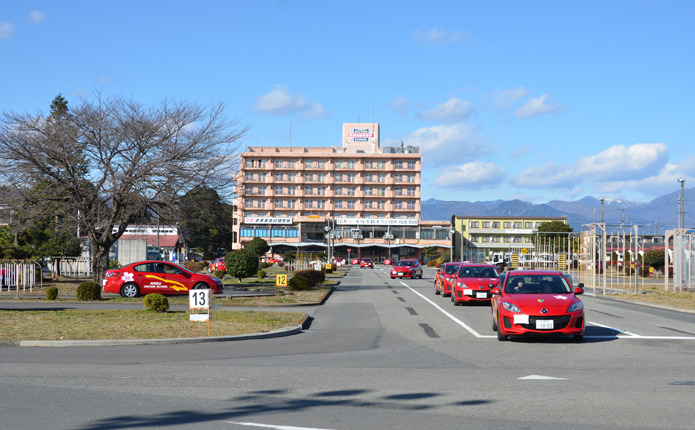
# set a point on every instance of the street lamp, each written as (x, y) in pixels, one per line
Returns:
(681, 208)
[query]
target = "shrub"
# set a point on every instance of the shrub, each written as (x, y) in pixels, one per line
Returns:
(629, 271)
(432, 263)
(644, 271)
(194, 266)
(52, 293)
(114, 264)
(219, 274)
(298, 283)
(280, 264)
(263, 265)
(156, 303)
(261, 274)
(88, 291)
(313, 276)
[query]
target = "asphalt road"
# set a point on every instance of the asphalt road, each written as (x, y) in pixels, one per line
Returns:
(380, 354)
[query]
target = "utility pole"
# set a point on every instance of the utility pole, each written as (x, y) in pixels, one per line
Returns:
(681, 206)
(601, 199)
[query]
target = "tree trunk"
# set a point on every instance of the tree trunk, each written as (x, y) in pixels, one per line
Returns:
(100, 259)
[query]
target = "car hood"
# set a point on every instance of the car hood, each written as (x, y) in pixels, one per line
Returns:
(536, 302)
(479, 282)
(403, 268)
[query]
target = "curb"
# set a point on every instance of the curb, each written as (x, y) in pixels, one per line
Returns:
(637, 302)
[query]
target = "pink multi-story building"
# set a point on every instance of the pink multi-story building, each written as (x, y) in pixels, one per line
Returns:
(356, 200)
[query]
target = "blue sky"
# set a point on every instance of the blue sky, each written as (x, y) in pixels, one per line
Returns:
(537, 100)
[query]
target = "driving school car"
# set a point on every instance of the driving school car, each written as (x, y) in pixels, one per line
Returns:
(537, 302)
(443, 278)
(406, 268)
(473, 283)
(161, 277)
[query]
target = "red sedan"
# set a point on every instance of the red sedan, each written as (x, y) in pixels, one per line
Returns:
(366, 262)
(443, 278)
(473, 283)
(147, 277)
(406, 268)
(537, 302)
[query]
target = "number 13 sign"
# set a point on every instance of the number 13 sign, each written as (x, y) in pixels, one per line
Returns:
(199, 299)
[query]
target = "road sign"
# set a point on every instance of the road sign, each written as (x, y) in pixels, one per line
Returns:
(199, 299)
(524, 251)
(281, 280)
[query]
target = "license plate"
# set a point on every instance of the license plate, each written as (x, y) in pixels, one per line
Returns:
(482, 296)
(544, 324)
(468, 292)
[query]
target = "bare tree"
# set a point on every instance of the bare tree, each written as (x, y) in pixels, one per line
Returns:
(112, 162)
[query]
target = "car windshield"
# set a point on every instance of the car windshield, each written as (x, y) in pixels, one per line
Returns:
(537, 284)
(450, 269)
(405, 263)
(477, 272)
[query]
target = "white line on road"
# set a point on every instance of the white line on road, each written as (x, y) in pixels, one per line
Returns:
(271, 426)
(453, 318)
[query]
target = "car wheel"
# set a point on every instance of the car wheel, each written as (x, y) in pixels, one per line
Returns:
(393, 277)
(494, 325)
(578, 337)
(201, 286)
(500, 336)
(420, 275)
(436, 291)
(130, 290)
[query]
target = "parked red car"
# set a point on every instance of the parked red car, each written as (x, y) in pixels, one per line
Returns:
(161, 277)
(474, 283)
(406, 268)
(388, 261)
(355, 261)
(444, 278)
(217, 264)
(537, 302)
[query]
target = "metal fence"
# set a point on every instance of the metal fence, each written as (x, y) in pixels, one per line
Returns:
(19, 275)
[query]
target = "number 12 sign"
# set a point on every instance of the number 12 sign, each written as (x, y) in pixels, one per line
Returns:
(199, 299)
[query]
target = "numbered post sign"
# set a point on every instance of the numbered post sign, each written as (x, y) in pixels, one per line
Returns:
(281, 280)
(199, 299)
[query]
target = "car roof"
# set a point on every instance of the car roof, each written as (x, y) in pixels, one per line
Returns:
(536, 272)
(477, 265)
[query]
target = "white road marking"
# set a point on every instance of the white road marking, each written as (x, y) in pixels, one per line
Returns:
(549, 378)
(453, 318)
(271, 426)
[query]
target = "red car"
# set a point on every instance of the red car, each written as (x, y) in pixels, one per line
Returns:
(443, 278)
(217, 264)
(474, 282)
(147, 277)
(366, 262)
(388, 262)
(355, 261)
(406, 268)
(537, 302)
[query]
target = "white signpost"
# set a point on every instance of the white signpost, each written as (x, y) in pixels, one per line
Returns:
(199, 300)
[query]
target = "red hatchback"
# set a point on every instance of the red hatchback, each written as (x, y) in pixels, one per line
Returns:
(147, 277)
(366, 262)
(410, 268)
(444, 277)
(537, 302)
(474, 282)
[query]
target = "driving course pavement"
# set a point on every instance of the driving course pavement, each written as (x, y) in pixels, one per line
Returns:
(380, 353)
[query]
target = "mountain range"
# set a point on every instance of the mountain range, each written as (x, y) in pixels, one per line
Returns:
(656, 216)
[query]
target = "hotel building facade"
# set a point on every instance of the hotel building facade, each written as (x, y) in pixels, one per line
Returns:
(359, 199)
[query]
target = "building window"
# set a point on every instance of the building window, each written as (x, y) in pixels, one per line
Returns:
(410, 191)
(351, 204)
(399, 204)
(398, 164)
(411, 165)
(398, 178)
(381, 204)
(279, 164)
(528, 225)
(291, 203)
(411, 178)
(517, 224)
(381, 191)
(474, 224)
(321, 204)
(507, 224)
(474, 238)
(309, 177)
(411, 204)
(278, 189)
(338, 191)
(291, 164)
(351, 177)
(351, 191)
(398, 191)
(485, 239)
(495, 224)
(486, 224)
(507, 239)
(527, 239)
(381, 177)
(322, 177)
(291, 190)
(496, 239)
(338, 204)
(517, 239)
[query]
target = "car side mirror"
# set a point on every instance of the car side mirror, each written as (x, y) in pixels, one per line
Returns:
(579, 289)
(495, 291)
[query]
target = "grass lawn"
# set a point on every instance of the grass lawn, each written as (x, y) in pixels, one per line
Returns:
(141, 324)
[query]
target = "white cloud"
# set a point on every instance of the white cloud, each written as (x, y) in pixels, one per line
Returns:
(399, 105)
(504, 99)
(446, 145)
(537, 106)
(37, 17)
(7, 30)
(641, 167)
(475, 175)
(280, 102)
(624, 163)
(451, 111)
(435, 36)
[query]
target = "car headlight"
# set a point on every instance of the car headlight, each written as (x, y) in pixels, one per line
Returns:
(511, 307)
(461, 284)
(576, 307)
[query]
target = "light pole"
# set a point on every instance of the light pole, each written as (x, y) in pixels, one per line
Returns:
(681, 207)
(601, 200)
